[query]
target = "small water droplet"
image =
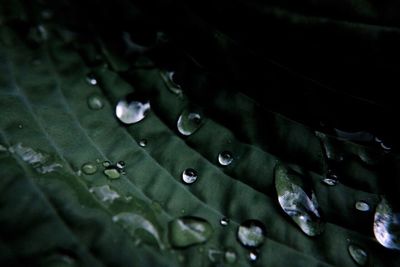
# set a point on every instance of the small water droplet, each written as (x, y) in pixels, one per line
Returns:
(251, 233)
(253, 256)
(121, 164)
(95, 102)
(168, 77)
(362, 206)
(20, 126)
(331, 179)
(112, 173)
(143, 143)
(189, 122)
(387, 225)
(106, 163)
(89, 168)
(130, 111)
(358, 254)
(188, 231)
(224, 221)
(230, 256)
(225, 158)
(91, 79)
(189, 176)
(302, 207)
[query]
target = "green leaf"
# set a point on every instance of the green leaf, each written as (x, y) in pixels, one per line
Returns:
(63, 198)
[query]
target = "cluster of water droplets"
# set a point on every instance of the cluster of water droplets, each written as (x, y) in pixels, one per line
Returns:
(297, 200)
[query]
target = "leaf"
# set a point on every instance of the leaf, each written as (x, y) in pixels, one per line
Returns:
(58, 207)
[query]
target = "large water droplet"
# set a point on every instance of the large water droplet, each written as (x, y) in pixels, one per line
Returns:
(188, 231)
(95, 102)
(168, 77)
(361, 206)
(387, 226)
(89, 168)
(224, 221)
(358, 254)
(134, 223)
(251, 233)
(189, 122)
(112, 172)
(300, 206)
(104, 193)
(91, 79)
(189, 176)
(143, 143)
(131, 111)
(225, 158)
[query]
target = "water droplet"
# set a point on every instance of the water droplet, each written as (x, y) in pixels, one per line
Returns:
(224, 221)
(225, 158)
(143, 143)
(188, 231)
(300, 206)
(121, 164)
(104, 193)
(331, 179)
(387, 225)
(362, 206)
(230, 256)
(91, 79)
(129, 111)
(168, 77)
(189, 122)
(136, 223)
(358, 254)
(253, 256)
(89, 168)
(106, 163)
(20, 126)
(251, 234)
(112, 173)
(189, 176)
(95, 102)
